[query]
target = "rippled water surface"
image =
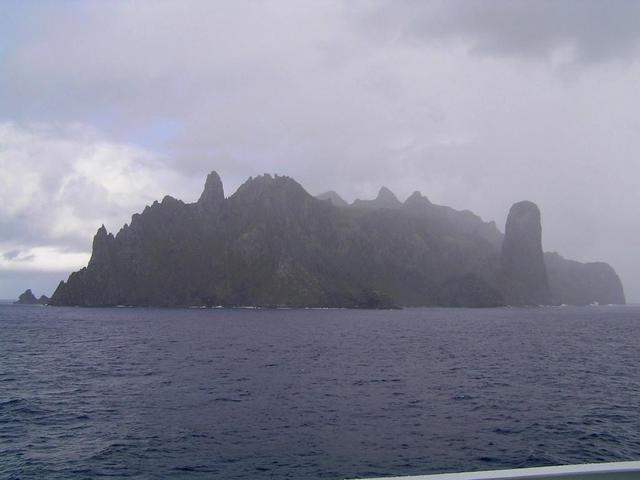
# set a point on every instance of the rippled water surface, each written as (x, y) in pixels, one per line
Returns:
(256, 394)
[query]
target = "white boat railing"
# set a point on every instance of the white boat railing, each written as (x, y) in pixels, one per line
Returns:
(590, 471)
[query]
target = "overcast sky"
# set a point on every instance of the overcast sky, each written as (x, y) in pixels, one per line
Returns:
(106, 106)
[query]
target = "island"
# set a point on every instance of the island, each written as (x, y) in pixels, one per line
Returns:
(28, 298)
(272, 244)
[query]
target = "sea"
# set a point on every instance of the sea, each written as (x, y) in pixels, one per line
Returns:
(148, 393)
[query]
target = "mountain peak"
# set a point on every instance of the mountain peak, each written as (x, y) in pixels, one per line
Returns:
(101, 235)
(385, 194)
(333, 197)
(385, 199)
(102, 242)
(267, 182)
(213, 193)
(416, 198)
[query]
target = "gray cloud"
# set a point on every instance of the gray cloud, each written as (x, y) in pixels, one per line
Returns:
(107, 106)
(11, 254)
(589, 31)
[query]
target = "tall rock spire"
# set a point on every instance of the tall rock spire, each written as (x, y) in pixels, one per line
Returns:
(525, 279)
(213, 193)
(102, 250)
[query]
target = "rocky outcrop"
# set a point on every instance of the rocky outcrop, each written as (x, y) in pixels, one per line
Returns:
(28, 298)
(524, 274)
(273, 244)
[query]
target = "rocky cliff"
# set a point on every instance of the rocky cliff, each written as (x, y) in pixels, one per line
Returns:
(273, 244)
(524, 274)
(575, 283)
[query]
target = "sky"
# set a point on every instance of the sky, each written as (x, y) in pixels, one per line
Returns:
(108, 106)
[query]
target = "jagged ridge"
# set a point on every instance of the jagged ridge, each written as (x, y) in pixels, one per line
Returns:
(273, 244)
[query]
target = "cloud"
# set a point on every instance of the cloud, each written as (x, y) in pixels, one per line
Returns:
(43, 259)
(10, 255)
(59, 184)
(565, 31)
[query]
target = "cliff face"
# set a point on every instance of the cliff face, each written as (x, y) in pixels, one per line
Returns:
(575, 283)
(272, 244)
(524, 274)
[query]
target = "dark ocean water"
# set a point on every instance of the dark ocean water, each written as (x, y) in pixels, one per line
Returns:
(257, 394)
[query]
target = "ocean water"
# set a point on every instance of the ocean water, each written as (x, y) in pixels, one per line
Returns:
(313, 394)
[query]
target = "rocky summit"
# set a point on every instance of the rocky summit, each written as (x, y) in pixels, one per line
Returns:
(273, 244)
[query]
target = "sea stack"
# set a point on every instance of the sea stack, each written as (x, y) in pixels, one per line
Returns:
(524, 275)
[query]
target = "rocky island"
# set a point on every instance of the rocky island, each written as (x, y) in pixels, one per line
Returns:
(273, 244)
(28, 298)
